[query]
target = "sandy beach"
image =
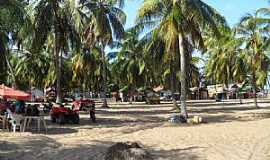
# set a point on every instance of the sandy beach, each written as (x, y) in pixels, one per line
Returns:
(232, 132)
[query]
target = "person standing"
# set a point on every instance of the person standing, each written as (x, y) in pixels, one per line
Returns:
(121, 96)
(20, 107)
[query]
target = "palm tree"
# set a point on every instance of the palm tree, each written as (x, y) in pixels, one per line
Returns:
(32, 68)
(55, 23)
(225, 60)
(130, 61)
(168, 64)
(180, 22)
(106, 22)
(255, 43)
(162, 62)
(12, 18)
(86, 68)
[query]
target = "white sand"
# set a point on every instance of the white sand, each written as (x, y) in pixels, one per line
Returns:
(233, 132)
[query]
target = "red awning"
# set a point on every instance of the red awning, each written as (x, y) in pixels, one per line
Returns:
(7, 92)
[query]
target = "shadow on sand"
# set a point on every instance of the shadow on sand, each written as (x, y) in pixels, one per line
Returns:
(133, 120)
(40, 148)
(230, 118)
(141, 120)
(228, 109)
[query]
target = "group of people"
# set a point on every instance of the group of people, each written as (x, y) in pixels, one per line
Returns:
(19, 107)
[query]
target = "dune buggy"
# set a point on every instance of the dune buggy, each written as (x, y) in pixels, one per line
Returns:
(63, 114)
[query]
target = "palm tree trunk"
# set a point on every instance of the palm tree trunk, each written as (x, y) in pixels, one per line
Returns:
(268, 84)
(173, 96)
(240, 98)
(84, 88)
(172, 79)
(104, 77)
(254, 86)
(130, 96)
(58, 72)
(183, 76)
(57, 26)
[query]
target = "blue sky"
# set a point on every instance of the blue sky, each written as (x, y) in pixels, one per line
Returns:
(233, 10)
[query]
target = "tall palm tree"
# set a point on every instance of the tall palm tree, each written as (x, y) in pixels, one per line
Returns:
(32, 69)
(255, 43)
(164, 62)
(225, 60)
(12, 18)
(265, 21)
(55, 23)
(106, 23)
(129, 64)
(180, 22)
(86, 67)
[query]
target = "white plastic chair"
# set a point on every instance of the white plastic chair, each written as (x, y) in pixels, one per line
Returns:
(15, 120)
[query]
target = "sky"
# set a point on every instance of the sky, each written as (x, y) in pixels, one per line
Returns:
(232, 10)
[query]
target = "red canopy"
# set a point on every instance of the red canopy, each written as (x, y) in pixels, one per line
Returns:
(7, 92)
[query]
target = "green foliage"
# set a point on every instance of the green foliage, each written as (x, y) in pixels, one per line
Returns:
(225, 59)
(168, 19)
(147, 55)
(256, 44)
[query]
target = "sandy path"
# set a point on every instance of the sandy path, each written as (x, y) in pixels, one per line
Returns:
(234, 132)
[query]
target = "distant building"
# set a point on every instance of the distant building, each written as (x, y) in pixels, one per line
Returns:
(198, 93)
(214, 90)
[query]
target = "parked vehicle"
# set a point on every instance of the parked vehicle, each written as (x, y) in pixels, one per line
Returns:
(63, 114)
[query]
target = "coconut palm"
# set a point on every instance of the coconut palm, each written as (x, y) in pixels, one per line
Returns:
(12, 17)
(164, 63)
(255, 43)
(106, 22)
(168, 64)
(86, 67)
(32, 68)
(55, 23)
(180, 22)
(225, 59)
(129, 64)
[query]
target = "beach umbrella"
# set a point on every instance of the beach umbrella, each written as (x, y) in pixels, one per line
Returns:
(7, 92)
